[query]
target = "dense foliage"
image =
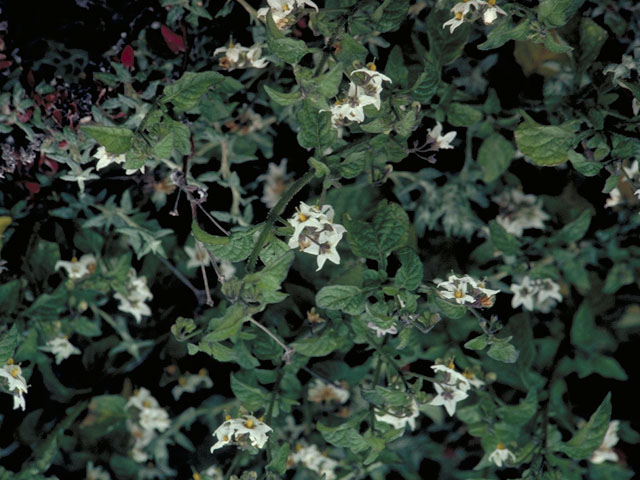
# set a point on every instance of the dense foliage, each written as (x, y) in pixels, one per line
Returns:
(342, 239)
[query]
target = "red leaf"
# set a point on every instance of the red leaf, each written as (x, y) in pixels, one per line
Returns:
(174, 41)
(5, 64)
(26, 116)
(127, 57)
(33, 187)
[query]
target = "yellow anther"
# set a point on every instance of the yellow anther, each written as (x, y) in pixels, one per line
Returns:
(298, 447)
(182, 381)
(146, 404)
(249, 423)
(458, 294)
(371, 66)
(203, 372)
(500, 446)
(458, 15)
(261, 418)
(10, 361)
(468, 374)
(227, 417)
(451, 365)
(491, 2)
(225, 438)
(302, 217)
(196, 476)
(74, 260)
(285, 8)
(15, 372)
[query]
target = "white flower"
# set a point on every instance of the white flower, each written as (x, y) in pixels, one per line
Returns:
(214, 472)
(473, 380)
(523, 294)
(452, 377)
(311, 457)
(605, 451)
(80, 176)
(635, 106)
(105, 158)
(538, 295)
(282, 9)
(275, 183)
(372, 87)
(519, 211)
(455, 288)
(227, 269)
(448, 397)
(154, 418)
(501, 455)
(491, 12)
(351, 108)
(321, 391)
(237, 56)
(15, 384)
(198, 256)
(96, 473)
(189, 383)
(237, 431)
(137, 293)
(315, 233)
(443, 142)
(380, 332)
(142, 437)
(77, 269)
(142, 399)
(61, 347)
(402, 418)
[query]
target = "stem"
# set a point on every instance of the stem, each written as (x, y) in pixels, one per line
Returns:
(182, 278)
(272, 402)
(273, 215)
(288, 352)
(250, 10)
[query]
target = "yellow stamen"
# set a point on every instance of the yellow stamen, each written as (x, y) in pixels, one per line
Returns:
(182, 381)
(468, 374)
(227, 417)
(285, 8)
(196, 476)
(302, 217)
(10, 361)
(15, 372)
(458, 294)
(371, 66)
(249, 423)
(261, 418)
(225, 438)
(203, 372)
(74, 260)
(491, 2)
(298, 447)
(500, 446)
(146, 404)
(458, 15)
(451, 365)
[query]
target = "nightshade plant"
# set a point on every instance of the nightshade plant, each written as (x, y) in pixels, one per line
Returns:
(469, 170)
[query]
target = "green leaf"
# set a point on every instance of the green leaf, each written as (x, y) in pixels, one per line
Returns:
(505, 31)
(176, 142)
(106, 414)
(590, 436)
(8, 344)
(226, 326)
(426, 84)
(252, 398)
(611, 183)
(185, 92)
(332, 339)
(351, 51)
(575, 230)
(43, 259)
(502, 350)
(448, 309)
(592, 38)
(9, 296)
(494, 156)
(585, 333)
(347, 298)
(582, 165)
(523, 412)
(445, 46)
(603, 365)
(328, 84)
(116, 140)
(503, 240)
(396, 69)
(410, 273)
(477, 343)
(621, 274)
(462, 115)
(556, 13)
(288, 49)
(343, 436)
(279, 457)
(234, 248)
(546, 145)
(376, 240)
(316, 130)
(389, 16)
(84, 326)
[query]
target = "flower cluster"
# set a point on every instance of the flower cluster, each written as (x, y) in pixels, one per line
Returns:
(315, 233)
(501, 455)
(362, 92)
(77, 269)
(237, 56)
(519, 211)
(311, 458)
(471, 10)
(452, 389)
(466, 290)
(633, 175)
(284, 12)
(399, 418)
(137, 293)
(14, 383)
(244, 431)
(149, 417)
(605, 451)
(189, 383)
(539, 294)
(105, 159)
(61, 347)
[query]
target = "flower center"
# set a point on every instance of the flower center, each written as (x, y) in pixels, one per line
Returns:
(10, 361)
(491, 2)
(458, 294)
(196, 476)
(227, 417)
(458, 15)
(500, 446)
(15, 372)
(249, 424)
(203, 372)
(451, 365)
(146, 404)
(225, 438)
(285, 8)
(182, 381)
(302, 217)
(372, 66)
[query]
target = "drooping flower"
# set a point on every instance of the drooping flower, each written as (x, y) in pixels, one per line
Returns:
(77, 269)
(371, 85)
(448, 396)
(61, 347)
(198, 256)
(105, 159)
(321, 391)
(315, 233)
(501, 455)
(351, 108)
(491, 12)
(605, 451)
(275, 183)
(470, 10)
(381, 332)
(443, 142)
(244, 431)
(14, 383)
